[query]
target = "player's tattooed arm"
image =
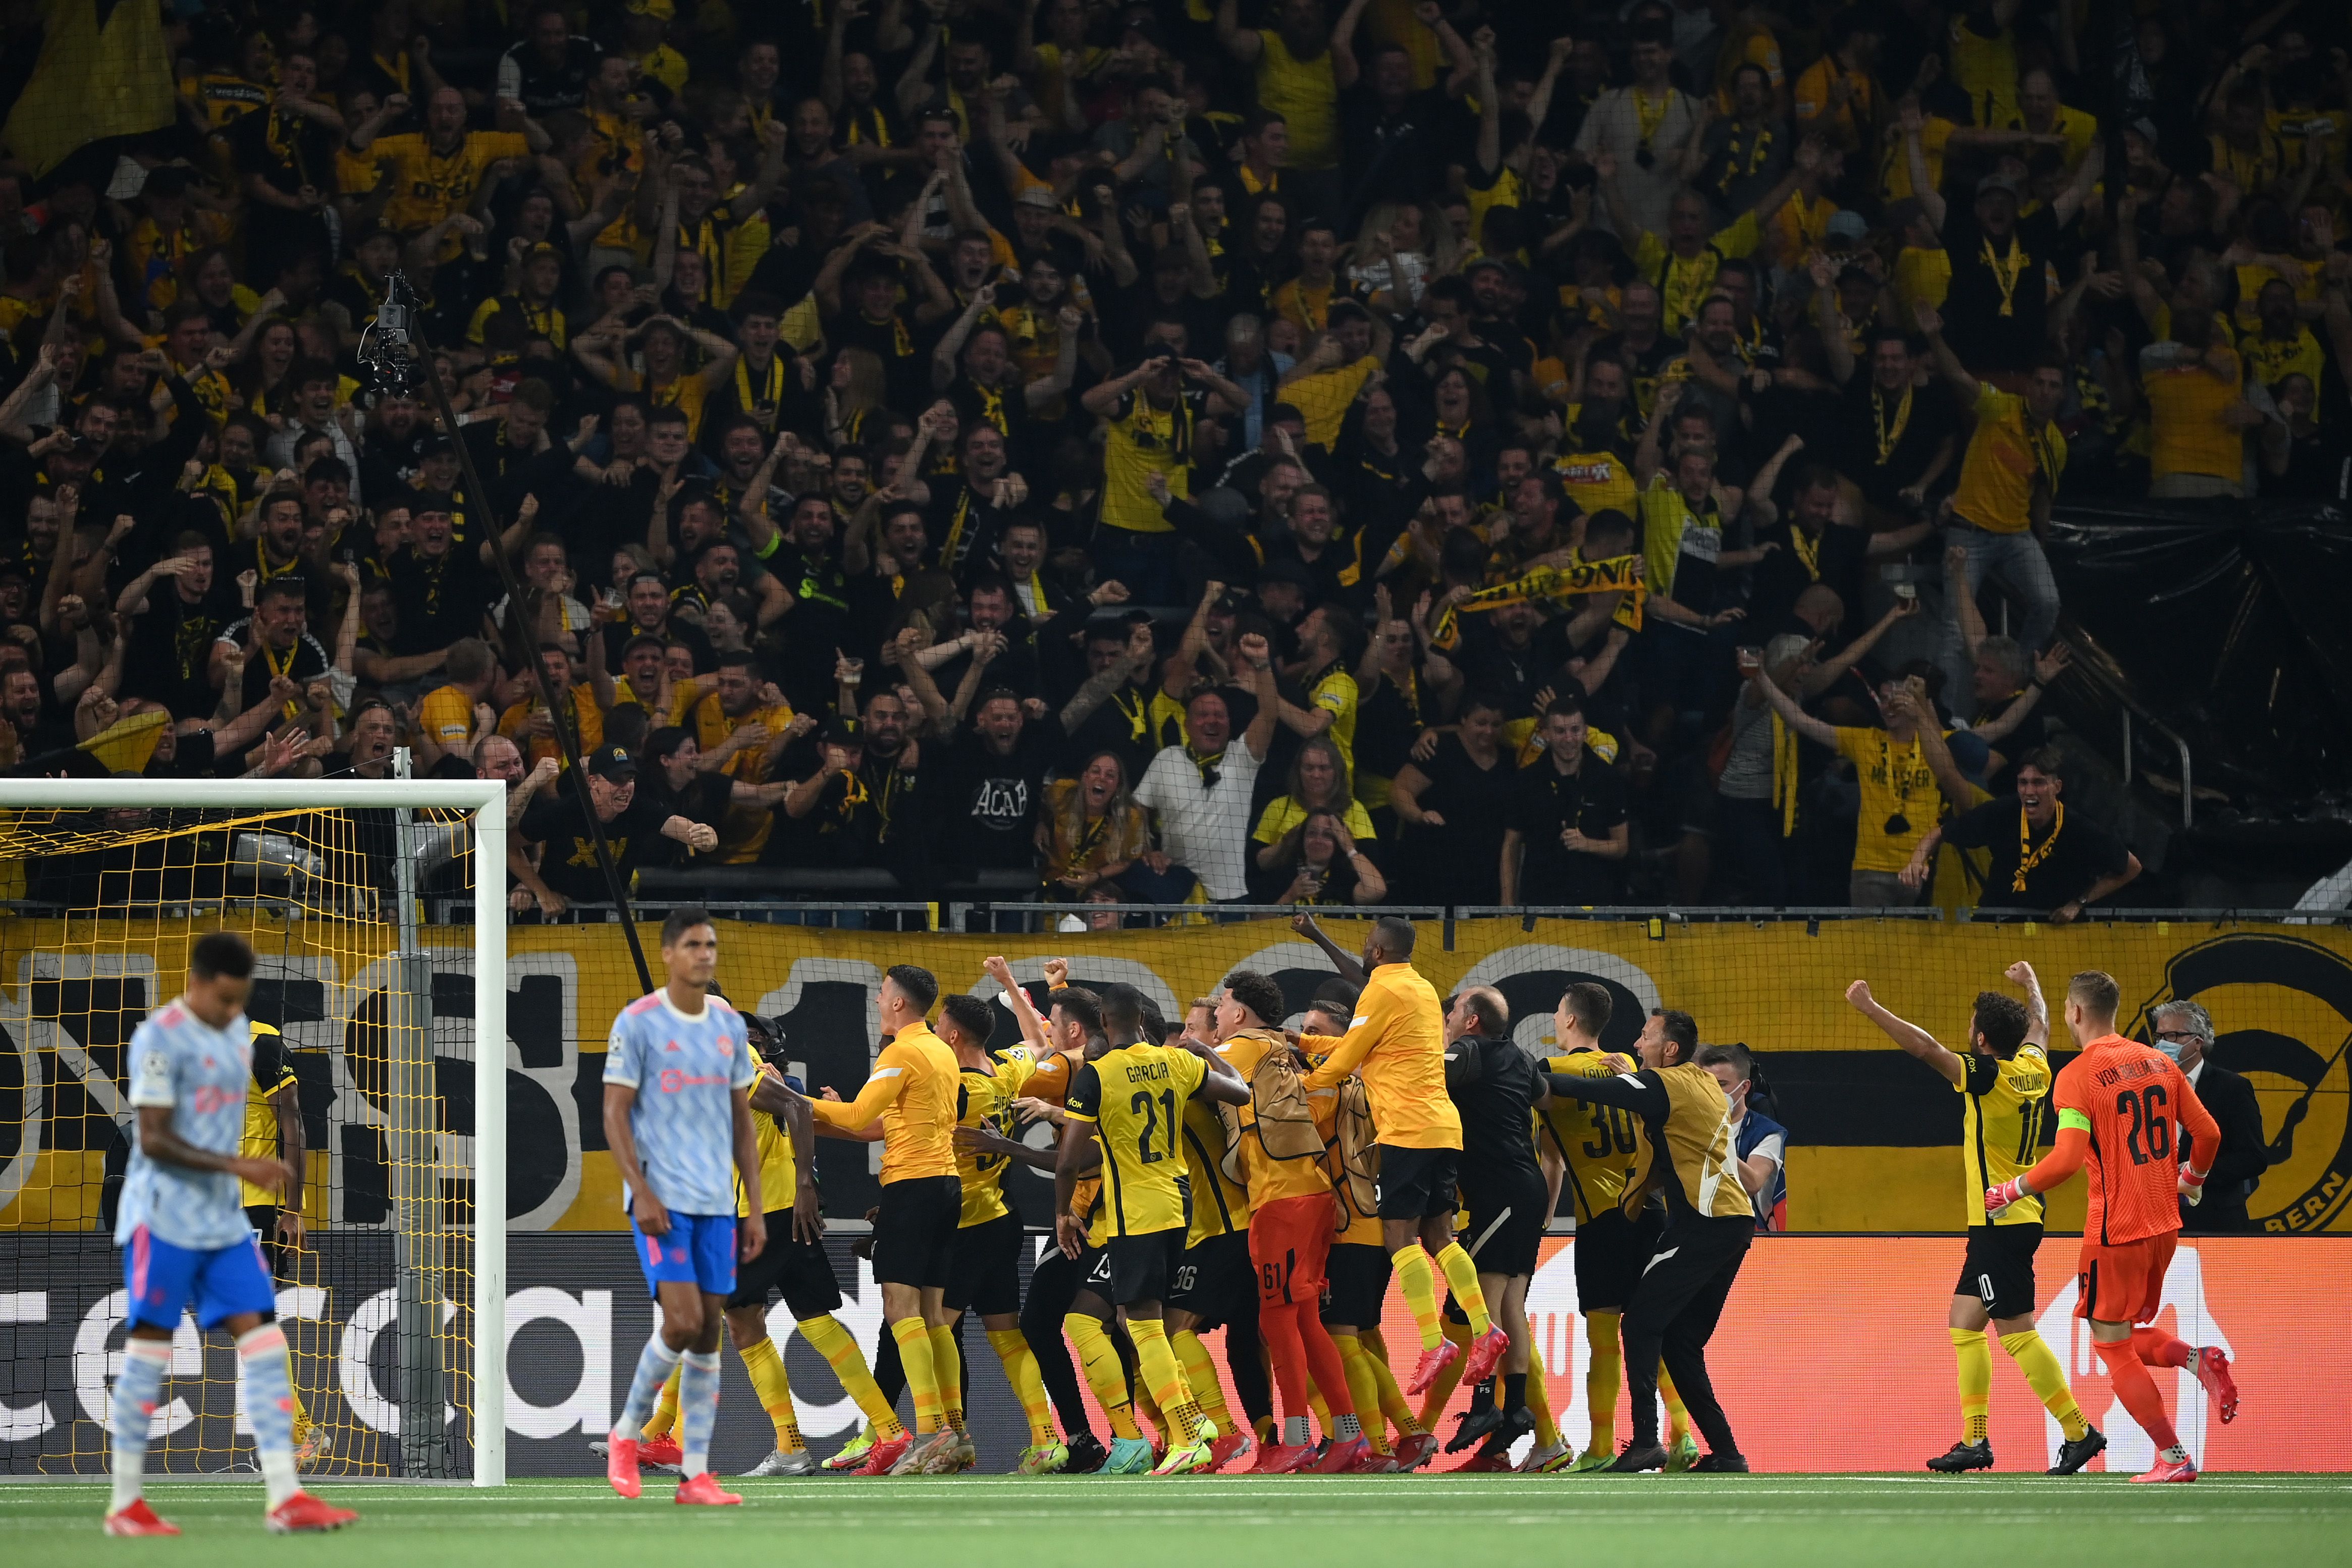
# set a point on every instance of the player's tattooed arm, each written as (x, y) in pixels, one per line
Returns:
(2037, 1011)
(161, 1141)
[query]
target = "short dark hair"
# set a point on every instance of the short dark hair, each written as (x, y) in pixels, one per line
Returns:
(679, 922)
(1396, 935)
(1735, 1054)
(221, 953)
(1258, 993)
(1122, 1009)
(1589, 1004)
(970, 1014)
(2047, 760)
(1082, 1005)
(2001, 1020)
(1681, 1028)
(918, 985)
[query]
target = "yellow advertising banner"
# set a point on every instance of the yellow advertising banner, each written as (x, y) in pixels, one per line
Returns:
(1873, 1134)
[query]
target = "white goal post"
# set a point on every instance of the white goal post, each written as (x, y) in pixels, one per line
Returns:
(484, 804)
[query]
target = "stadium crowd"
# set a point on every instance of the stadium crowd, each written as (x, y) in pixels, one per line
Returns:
(1471, 453)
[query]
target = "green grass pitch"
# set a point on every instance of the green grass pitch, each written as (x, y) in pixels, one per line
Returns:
(1806, 1521)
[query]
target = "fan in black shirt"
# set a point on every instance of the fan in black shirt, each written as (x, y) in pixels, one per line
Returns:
(1997, 310)
(1565, 836)
(995, 778)
(2040, 860)
(636, 829)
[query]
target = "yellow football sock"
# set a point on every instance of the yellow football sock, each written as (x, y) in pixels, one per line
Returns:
(1604, 1375)
(1099, 1359)
(1462, 1273)
(1976, 1382)
(1677, 1418)
(1361, 1389)
(1150, 1419)
(1392, 1400)
(1434, 1397)
(1164, 1376)
(1315, 1403)
(665, 1416)
(2047, 1378)
(832, 1341)
(1419, 1281)
(1011, 1347)
(947, 1366)
(301, 1415)
(1201, 1377)
(765, 1364)
(1539, 1400)
(914, 1337)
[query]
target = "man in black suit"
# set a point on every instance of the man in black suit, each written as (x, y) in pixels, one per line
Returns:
(2184, 1032)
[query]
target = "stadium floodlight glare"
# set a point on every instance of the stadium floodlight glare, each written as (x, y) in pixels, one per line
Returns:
(329, 879)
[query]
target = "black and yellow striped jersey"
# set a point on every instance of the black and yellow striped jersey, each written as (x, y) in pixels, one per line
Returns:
(2004, 1105)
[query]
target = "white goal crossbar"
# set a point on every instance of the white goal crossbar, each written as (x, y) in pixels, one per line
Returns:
(485, 801)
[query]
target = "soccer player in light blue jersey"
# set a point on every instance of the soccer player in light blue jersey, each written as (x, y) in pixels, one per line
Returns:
(185, 1238)
(678, 1115)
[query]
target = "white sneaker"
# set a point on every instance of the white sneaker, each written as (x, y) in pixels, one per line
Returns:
(799, 1462)
(314, 1447)
(928, 1456)
(1539, 1457)
(967, 1452)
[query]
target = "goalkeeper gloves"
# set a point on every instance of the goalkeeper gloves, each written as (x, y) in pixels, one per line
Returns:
(1996, 1199)
(2192, 1184)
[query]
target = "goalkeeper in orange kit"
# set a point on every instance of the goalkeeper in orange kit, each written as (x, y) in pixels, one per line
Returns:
(2117, 1103)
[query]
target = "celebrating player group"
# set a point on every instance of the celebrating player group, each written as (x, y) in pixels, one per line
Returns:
(1221, 1171)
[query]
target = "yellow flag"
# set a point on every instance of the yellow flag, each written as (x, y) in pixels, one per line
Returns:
(105, 71)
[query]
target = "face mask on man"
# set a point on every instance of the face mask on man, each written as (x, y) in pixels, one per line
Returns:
(2172, 1048)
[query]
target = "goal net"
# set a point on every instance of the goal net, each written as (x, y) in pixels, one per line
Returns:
(374, 992)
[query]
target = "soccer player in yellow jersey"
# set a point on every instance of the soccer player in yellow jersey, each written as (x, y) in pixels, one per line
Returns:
(914, 1090)
(1396, 1042)
(1129, 1102)
(273, 1130)
(1598, 1152)
(2004, 1086)
(1215, 1283)
(985, 1273)
(1055, 1048)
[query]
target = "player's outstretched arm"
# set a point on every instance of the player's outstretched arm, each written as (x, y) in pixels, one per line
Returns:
(1025, 1011)
(1639, 1093)
(1914, 1040)
(2037, 1011)
(2067, 1153)
(808, 1218)
(1351, 969)
(880, 1092)
(1222, 1084)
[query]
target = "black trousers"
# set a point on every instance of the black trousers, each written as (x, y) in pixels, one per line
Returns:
(1672, 1315)
(1051, 1290)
